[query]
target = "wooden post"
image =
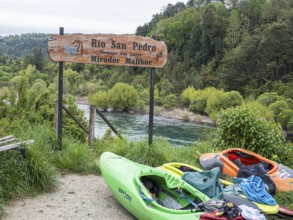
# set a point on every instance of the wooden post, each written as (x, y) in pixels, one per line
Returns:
(91, 130)
(60, 98)
(56, 117)
(151, 113)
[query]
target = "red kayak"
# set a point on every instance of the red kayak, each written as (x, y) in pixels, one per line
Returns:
(231, 159)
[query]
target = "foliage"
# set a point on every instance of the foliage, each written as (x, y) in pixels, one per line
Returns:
(198, 105)
(75, 157)
(69, 126)
(21, 45)
(188, 95)
(277, 107)
(170, 101)
(123, 96)
(231, 99)
(158, 153)
(29, 102)
(244, 127)
(214, 97)
(290, 124)
(14, 181)
(74, 79)
(268, 98)
(210, 100)
(41, 174)
(244, 46)
(99, 99)
(285, 199)
(263, 110)
(284, 118)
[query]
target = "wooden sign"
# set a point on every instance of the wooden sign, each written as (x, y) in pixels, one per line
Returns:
(108, 49)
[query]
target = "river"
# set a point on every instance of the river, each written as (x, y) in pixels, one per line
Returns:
(135, 127)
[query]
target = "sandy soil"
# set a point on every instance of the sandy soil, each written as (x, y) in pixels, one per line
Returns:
(77, 197)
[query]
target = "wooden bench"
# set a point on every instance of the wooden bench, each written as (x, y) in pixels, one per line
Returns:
(9, 142)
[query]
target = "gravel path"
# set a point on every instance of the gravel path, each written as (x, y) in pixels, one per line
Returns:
(77, 197)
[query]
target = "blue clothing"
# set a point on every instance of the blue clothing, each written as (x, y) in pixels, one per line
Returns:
(254, 189)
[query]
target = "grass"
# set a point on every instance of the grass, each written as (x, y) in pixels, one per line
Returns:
(76, 157)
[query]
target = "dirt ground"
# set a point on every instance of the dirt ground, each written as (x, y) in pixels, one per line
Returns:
(77, 197)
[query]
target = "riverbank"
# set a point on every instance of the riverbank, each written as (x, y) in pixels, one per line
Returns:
(176, 113)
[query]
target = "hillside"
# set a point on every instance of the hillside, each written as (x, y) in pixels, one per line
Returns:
(18, 46)
(245, 46)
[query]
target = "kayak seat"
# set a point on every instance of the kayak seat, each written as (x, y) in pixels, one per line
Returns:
(245, 159)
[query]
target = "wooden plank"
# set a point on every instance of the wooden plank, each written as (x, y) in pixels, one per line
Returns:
(92, 123)
(108, 49)
(6, 137)
(8, 140)
(15, 145)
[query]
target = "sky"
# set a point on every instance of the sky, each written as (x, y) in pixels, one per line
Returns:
(77, 16)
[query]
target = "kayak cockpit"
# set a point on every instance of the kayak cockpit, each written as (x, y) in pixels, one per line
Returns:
(237, 157)
(158, 191)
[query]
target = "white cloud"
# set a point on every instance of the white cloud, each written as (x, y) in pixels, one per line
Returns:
(77, 16)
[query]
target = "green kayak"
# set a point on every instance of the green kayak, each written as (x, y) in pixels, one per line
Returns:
(148, 192)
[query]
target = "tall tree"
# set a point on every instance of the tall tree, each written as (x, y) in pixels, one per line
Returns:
(275, 52)
(233, 31)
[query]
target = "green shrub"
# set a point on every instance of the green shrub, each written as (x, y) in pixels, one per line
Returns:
(263, 110)
(99, 99)
(290, 124)
(277, 107)
(140, 106)
(284, 117)
(188, 95)
(244, 127)
(214, 97)
(123, 96)
(290, 103)
(170, 101)
(144, 95)
(268, 98)
(231, 99)
(198, 105)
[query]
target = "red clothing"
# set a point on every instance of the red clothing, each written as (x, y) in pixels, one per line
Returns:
(209, 216)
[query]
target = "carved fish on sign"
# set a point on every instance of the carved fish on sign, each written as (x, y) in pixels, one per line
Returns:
(108, 49)
(75, 48)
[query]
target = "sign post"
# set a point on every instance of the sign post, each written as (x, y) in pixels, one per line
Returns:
(107, 49)
(60, 98)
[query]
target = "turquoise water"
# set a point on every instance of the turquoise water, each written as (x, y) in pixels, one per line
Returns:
(135, 127)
